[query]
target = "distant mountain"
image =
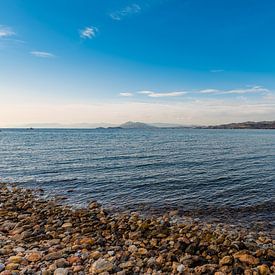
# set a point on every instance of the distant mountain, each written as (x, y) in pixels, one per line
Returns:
(127, 125)
(246, 125)
(136, 125)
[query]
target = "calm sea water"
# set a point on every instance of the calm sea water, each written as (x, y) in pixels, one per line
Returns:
(208, 173)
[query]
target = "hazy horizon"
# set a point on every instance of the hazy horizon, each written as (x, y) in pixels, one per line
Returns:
(158, 61)
(88, 125)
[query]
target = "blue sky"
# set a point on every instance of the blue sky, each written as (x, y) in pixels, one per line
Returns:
(178, 61)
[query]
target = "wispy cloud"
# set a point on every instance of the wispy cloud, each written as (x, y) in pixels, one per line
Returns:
(88, 32)
(42, 54)
(126, 11)
(126, 94)
(6, 31)
(248, 90)
(169, 94)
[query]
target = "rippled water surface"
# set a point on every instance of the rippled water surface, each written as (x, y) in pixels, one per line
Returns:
(193, 170)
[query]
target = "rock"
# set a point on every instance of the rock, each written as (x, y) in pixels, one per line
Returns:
(180, 268)
(101, 265)
(132, 248)
(160, 260)
(151, 262)
(15, 259)
(67, 225)
(248, 272)
(34, 256)
(142, 251)
(61, 263)
(12, 266)
(95, 255)
(263, 269)
(19, 249)
(61, 271)
(52, 267)
(88, 241)
(78, 268)
(246, 258)
(126, 265)
(227, 260)
(94, 205)
(207, 268)
(103, 243)
(53, 256)
(3, 251)
(271, 253)
(73, 259)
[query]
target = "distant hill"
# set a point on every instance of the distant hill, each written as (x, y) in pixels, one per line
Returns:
(136, 125)
(246, 125)
(127, 125)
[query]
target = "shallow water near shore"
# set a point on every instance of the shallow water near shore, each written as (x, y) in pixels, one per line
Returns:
(211, 174)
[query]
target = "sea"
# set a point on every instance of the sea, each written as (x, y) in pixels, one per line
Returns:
(209, 174)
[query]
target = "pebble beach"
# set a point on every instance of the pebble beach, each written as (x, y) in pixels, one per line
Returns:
(39, 236)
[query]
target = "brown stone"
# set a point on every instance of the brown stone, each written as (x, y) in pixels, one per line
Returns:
(73, 259)
(15, 259)
(263, 269)
(246, 258)
(142, 251)
(126, 265)
(53, 256)
(227, 260)
(67, 225)
(78, 268)
(101, 265)
(34, 256)
(12, 266)
(95, 255)
(88, 241)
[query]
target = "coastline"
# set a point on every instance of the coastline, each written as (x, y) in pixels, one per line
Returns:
(40, 236)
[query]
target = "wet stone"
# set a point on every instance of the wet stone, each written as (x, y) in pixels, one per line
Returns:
(50, 238)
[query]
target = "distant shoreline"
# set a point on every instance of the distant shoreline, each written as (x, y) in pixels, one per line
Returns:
(147, 129)
(140, 125)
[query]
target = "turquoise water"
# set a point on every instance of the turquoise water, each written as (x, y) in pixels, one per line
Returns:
(213, 173)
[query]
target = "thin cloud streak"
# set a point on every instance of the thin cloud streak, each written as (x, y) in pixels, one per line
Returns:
(88, 32)
(250, 90)
(42, 54)
(127, 11)
(253, 90)
(126, 94)
(6, 31)
(154, 94)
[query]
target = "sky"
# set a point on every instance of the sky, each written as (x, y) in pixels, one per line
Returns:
(190, 62)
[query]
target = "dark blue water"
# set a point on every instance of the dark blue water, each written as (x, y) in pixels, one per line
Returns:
(197, 171)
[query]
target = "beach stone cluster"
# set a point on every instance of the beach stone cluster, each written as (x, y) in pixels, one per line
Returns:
(44, 237)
